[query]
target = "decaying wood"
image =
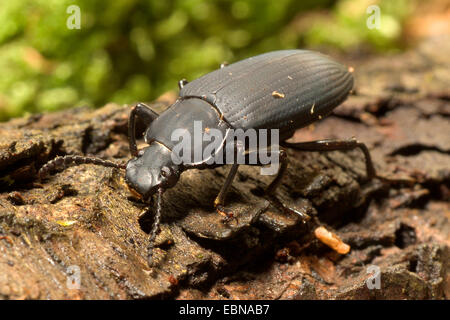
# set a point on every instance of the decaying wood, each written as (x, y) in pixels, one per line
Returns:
(85, 216)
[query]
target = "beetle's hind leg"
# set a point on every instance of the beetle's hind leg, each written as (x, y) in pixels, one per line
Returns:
(333, 145)
(146, 115)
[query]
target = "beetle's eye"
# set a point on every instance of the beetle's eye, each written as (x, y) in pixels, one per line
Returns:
(165, 172)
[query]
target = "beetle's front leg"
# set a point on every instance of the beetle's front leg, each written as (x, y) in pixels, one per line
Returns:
(220, 199)
(147, 115)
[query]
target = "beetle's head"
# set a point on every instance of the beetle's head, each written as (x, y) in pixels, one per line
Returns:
(150, 170)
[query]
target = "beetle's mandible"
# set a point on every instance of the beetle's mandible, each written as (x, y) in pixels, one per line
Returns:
(284, 90)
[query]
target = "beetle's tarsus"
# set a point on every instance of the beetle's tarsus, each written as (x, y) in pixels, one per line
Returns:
(227, 216)
(220, 199)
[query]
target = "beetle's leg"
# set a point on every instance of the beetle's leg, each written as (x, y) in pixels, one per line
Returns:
(334, 144)
(182, 83)
(270, 190)
(220, 199)
(147, 115)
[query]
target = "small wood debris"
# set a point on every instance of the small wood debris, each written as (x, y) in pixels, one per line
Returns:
(66, 223)
(331, 240)
(278, 95)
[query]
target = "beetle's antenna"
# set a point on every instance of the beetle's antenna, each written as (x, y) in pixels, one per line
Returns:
(69, 160)
(155, 228)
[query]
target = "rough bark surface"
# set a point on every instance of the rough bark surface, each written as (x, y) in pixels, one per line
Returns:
(85, 216)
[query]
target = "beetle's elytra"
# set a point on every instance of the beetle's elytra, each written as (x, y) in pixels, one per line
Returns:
(284, 90)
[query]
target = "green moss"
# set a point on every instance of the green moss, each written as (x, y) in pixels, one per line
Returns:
(130, 50)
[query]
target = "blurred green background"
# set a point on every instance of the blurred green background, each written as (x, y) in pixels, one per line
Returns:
(129, 50)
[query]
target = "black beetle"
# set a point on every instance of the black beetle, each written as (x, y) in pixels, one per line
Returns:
(284, 90)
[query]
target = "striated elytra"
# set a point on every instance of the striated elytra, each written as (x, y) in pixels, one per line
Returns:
(284, 90)
(243, 91)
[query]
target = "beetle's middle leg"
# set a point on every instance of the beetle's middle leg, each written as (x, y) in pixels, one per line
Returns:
(143, 112)
(270, 190)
